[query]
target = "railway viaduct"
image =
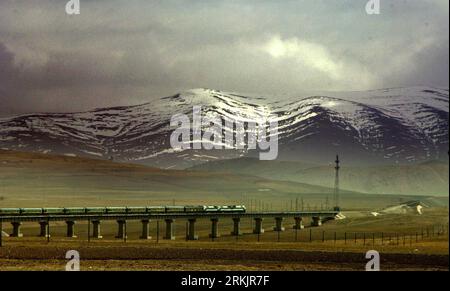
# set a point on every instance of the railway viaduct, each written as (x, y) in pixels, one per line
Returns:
(317, 217)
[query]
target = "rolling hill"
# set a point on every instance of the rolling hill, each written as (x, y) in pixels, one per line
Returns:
(428, 178)
(31, 175)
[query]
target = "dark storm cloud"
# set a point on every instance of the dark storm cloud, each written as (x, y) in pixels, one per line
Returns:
(127, 52)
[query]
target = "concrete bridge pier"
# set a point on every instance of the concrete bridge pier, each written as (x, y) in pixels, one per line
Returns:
(316, 221)
(44, 229)
(16, 229)
(258, 226)
(279, 224)
(214, 228)
(121, 229)
(145, 231)
(71, 229)
(96, 232)
(236, 226)
(191, 229)
(298, 223)
(169, 229)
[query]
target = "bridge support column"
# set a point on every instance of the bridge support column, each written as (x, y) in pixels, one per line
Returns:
(298, 223)
(191, 229)
(214, 228)
(16, 229)
(316, 221)
(96, 232)
(169, 229)
(236, 226)
(258, 226)
(71, 229)
(121, 229)
(145, 231)
(44, 229)
(279, 224)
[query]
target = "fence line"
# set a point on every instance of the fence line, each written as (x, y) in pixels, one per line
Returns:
(312, 235)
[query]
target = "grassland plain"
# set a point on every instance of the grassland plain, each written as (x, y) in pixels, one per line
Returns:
(405, 241)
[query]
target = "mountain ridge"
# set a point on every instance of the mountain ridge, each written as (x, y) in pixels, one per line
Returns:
(389, 126)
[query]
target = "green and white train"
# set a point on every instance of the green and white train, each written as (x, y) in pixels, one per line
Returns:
(121, 210)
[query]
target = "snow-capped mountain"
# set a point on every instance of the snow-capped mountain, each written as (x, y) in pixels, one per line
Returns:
(401, 125)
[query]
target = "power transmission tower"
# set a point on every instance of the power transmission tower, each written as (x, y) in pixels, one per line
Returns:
(336, 186)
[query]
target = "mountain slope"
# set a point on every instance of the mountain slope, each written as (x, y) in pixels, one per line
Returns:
(37, 175)
(403, 125)
(430, 178)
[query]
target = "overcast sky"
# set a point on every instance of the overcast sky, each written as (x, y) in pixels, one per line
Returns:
(121, 52)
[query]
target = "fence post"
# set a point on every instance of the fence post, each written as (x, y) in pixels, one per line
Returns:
(89, 230)
(1, 232)
(157, 231)
(126, 234)
(48, 230)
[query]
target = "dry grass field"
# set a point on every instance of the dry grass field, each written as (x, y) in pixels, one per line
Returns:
(207, 256)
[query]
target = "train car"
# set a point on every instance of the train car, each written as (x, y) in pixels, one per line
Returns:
(212, 208)
(234, 209)
(240, 208)
(74, 210)
(175, 209)
(116, 210)
(95, 210)
(53, 211)
(136, 210)
(9, 211)
(156, 209)
(226, 209)
(194, 209)
(31, 211)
